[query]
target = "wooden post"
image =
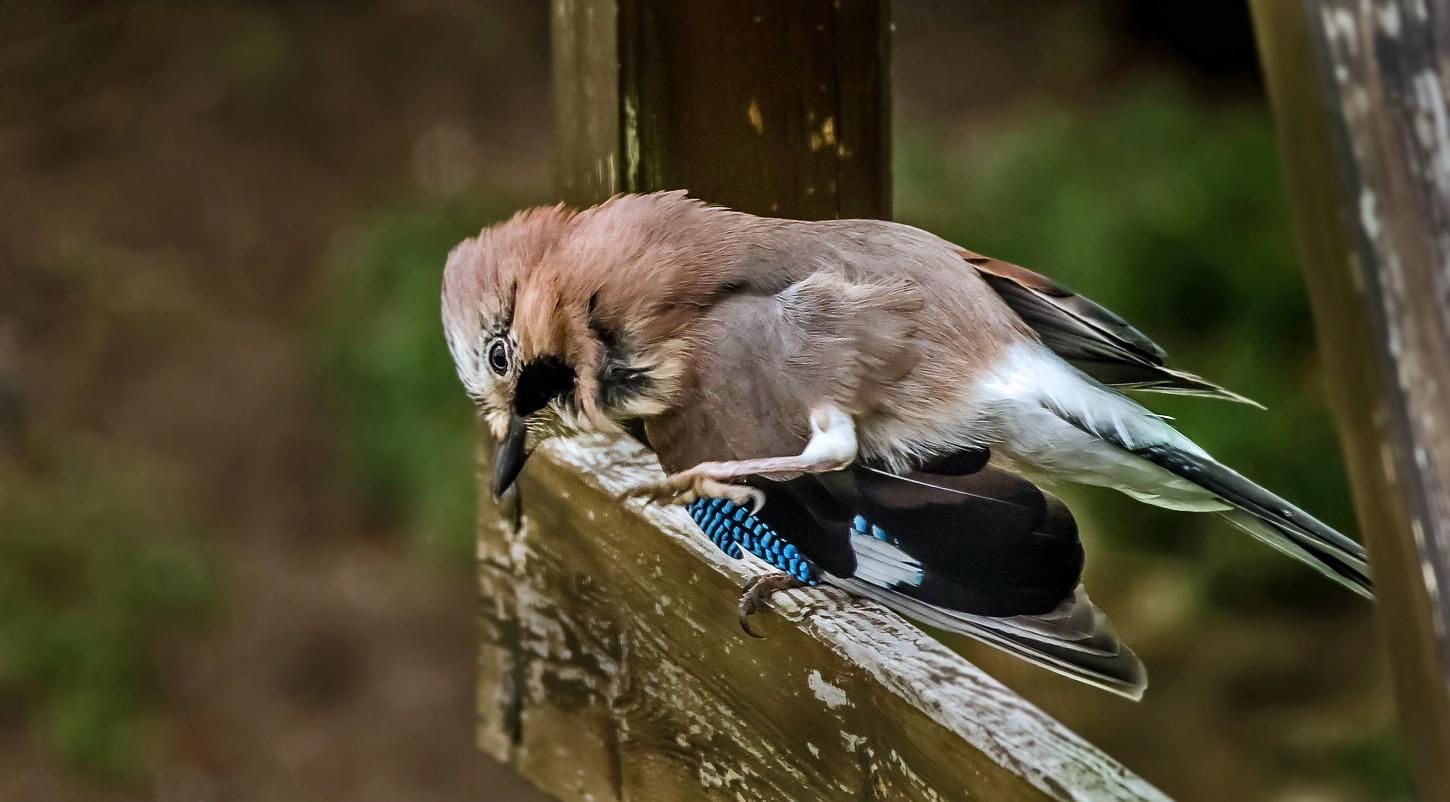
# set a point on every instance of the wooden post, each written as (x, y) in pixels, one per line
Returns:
(612, 665)
(773, 108)
(1359, 92)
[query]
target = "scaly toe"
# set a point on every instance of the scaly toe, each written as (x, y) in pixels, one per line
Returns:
(755, 593)
(746, 609)
(741, 495)
(685, 487)
(670, 489)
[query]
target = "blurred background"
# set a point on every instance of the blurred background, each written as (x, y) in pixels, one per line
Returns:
(235, 467)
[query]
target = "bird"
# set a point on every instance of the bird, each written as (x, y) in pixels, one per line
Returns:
(881, 400)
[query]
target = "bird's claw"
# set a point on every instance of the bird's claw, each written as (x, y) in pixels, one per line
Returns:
(755, 592)
(685, 487)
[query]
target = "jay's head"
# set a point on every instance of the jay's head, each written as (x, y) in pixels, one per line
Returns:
(522, 377)
(560, 321)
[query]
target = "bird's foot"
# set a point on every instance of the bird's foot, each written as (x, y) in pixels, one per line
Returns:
(686, 486)
(757, 590)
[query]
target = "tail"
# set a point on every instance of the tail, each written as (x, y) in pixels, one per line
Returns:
(1270, 518)
(1075, 640)
(1194, 480)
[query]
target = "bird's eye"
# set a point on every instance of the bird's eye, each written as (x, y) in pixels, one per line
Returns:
(498, 356)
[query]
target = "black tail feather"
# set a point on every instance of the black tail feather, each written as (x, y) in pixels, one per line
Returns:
(1270, 518)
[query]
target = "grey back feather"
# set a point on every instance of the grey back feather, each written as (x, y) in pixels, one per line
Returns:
(861, 334)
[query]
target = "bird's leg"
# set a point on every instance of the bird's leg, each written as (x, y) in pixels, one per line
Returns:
(832, 447)
(757, 590)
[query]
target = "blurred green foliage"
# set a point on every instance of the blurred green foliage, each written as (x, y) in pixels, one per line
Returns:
(1379, 764)
(94, 576)
(404, 426)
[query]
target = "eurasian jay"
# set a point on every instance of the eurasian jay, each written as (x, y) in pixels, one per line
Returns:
(855, 401)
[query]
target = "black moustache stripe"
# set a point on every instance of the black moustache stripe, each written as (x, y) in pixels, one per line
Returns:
(540, 382)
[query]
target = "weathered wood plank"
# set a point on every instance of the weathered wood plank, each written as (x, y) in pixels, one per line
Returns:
(613, 668)
(1359, 94)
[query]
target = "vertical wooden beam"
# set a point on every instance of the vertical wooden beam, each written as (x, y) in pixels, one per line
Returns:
(588, 158)
(1359, 93)
(773, 108)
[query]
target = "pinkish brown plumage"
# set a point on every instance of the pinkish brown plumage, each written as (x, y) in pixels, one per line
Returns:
(553, 276)
(748, 351)
(645, 268)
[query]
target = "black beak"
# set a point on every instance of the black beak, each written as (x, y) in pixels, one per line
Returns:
(510, 456)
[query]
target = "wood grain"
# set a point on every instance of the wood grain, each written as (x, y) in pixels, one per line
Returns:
(1359, 95)
(613, 668)
(779, 109)
(782, 109)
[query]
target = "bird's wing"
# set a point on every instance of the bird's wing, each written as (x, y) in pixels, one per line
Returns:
(995, 559)
(970, 548)
(762, 362)
(1055, 641)
(984, 554)
(987, 542)
(1090, 336)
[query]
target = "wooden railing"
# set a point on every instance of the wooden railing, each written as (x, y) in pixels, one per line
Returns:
(613, 668)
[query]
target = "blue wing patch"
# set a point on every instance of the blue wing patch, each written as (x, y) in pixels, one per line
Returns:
(732, 528)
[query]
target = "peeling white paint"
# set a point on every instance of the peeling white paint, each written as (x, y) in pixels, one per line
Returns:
(1432, 127)
(1388, 15)
(1368, 216)
(833, 696)
(905, 768)
(1339, 24)
(1393, 105)
(518, 554)
(631, 142)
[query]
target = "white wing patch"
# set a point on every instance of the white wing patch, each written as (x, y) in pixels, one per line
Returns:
(878, 561)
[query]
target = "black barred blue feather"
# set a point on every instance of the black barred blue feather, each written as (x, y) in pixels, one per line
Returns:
(732, 528)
